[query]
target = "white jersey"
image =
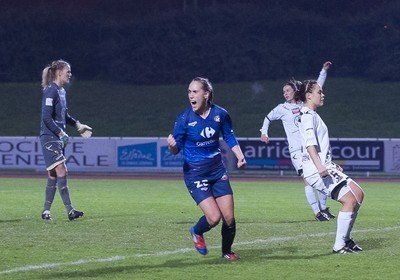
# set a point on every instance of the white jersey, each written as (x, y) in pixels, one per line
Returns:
(289, 114)
(314, 132)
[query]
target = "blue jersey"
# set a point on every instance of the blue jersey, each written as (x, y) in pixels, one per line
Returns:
(199, 138)
(54, 111)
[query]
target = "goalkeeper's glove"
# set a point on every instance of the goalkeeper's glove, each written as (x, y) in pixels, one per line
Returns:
(84, 130)
(64, 139)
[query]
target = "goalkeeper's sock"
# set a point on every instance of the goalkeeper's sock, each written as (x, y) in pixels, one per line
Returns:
(64, 192)
(50, 193)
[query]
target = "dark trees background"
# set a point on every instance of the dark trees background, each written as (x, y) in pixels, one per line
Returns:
(167, 42)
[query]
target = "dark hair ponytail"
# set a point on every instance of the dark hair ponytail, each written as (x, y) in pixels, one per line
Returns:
(295, 85)
(306, 87)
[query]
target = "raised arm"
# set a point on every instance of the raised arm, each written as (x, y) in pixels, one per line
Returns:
(324, 72)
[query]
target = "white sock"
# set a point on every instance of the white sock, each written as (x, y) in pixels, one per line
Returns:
(322, 200)
(311, 199)
(344, 220)
(353, 220)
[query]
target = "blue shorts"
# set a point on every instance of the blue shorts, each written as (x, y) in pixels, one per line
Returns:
(210, 184)
(53, 153)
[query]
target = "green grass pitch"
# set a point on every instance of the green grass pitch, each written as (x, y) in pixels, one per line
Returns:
(139, 229)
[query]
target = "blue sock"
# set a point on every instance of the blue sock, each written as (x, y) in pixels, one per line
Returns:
(202, 226)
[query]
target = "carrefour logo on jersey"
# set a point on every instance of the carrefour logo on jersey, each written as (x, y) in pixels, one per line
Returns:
(207, 132)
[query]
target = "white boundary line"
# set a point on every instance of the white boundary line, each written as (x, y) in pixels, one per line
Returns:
(178, 251)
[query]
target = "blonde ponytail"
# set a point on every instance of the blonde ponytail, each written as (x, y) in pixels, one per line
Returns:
(47, 76)
(49, 72)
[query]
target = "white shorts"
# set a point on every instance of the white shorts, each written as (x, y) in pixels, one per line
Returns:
(335, 185)
(297, 162)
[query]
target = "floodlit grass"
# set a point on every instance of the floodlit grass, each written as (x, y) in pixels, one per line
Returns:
(139, 229)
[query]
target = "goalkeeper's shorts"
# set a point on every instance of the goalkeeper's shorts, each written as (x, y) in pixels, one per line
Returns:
(53, 153)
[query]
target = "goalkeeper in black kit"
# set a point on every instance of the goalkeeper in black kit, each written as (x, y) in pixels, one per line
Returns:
(53, 137)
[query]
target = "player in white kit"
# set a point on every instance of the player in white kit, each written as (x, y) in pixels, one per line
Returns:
(323, 174)
(289, 113)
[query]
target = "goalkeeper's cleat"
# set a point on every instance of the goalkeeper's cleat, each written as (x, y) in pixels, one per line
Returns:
(353, 245)
(328, 213)
(231, 256)
(343, 250)
(74, 214)
(321, 217)
(199, 242)
(46, 215)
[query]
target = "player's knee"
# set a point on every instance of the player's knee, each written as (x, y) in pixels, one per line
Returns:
(357, 191)
(230, 221)
(61, 170)
(213, 220)
(350, 201)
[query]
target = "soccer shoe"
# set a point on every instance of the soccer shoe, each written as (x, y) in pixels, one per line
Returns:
(231, 256)
(343, 250)
(328, 213)
(74, 214)
(46, 215)
(199, 242)
(321, 217)
(353, 245)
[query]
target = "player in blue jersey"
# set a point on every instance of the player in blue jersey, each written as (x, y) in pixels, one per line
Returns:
(53, 137)
(196, 133)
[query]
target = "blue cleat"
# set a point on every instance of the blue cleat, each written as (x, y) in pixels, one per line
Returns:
(199, 242)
